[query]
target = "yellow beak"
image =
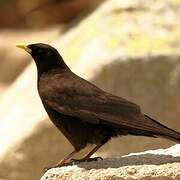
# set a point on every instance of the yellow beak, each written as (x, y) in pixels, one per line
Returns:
(24, 47)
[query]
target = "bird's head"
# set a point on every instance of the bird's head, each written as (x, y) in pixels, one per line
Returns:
(45, 56)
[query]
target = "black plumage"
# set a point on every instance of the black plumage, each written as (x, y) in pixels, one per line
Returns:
(84, 113)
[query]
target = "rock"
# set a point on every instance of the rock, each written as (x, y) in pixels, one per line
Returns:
(121, 28)
(157, 164)
(101, 48)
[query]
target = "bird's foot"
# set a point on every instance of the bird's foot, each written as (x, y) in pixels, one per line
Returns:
(73, 162)
(77, 161)
(63, 162)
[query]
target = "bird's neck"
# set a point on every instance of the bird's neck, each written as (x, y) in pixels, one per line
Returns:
(47, 66)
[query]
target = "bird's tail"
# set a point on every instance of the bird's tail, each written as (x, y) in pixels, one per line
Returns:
(165, 132)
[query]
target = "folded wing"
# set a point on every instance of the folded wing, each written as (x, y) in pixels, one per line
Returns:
(83, 100)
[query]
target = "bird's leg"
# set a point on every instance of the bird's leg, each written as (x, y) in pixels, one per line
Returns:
(87, 157)
(63, 161)
(92, 151)
(68, 157)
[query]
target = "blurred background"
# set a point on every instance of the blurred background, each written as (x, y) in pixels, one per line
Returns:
(128, 48)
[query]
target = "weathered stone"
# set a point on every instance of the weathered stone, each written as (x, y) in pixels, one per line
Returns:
(161, 164)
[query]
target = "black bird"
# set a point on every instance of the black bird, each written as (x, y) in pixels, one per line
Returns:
(84, 113)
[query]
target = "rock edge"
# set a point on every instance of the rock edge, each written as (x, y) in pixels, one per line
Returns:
(156, 164)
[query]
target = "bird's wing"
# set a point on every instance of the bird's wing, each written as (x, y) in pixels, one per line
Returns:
(83, 100)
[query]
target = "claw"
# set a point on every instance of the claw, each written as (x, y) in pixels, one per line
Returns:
(76, 161)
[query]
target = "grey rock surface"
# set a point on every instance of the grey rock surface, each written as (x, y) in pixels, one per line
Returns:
(161, 164)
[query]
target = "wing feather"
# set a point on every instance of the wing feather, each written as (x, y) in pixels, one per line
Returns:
(81, 99)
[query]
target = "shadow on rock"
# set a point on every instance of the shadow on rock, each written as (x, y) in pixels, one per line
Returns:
(134, 160)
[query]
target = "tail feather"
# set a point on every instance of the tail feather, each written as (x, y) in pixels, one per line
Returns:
(165, 131)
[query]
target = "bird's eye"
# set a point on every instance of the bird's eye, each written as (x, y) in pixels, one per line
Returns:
(40, 51)
(49, 53)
